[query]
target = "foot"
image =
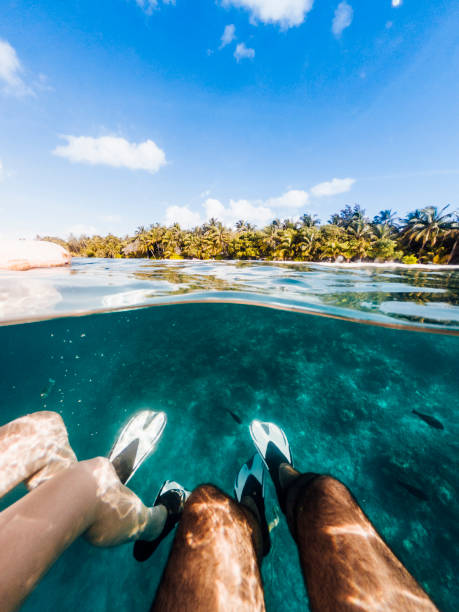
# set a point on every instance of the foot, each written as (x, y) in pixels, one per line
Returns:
(274, 449)
(249, 490)
(173, 496)
(136, 442)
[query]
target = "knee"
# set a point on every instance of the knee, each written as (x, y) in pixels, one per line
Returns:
(327, 495)
(46, 420)
(46, 416)
(207, 494)
(102, 470)
(329, 487)
(208, 503)
(42, 425)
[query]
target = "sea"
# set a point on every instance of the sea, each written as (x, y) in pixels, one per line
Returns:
(342, 358)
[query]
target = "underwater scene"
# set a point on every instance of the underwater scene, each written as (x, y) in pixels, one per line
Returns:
(345, 360)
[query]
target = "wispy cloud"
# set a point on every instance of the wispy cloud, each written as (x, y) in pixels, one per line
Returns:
(150, 5)
(80, 229)
(333, 187)
(112, 151)
(286, 13)
(344, 15)
(242, 52)
(11, 71)
(2, 171)
(228, 36)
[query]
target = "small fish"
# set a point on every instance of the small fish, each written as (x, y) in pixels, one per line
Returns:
(235, 417)
(275, 522)
(430, 420)
(413, 490)
(49, 387)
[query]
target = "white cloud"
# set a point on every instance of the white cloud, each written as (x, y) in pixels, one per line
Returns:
(333, 187)
(150, 5)
(112, 151)
(183, 215)
(344, 15)
(238, 209)
(396, 3)
(258, 212)
(294, 198)
(286, 13)
(243, 52)
(10, 71)
(229, 34)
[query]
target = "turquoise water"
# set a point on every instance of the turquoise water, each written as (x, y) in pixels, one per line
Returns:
(343, 392)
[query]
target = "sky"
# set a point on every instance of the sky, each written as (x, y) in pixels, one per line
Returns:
(121, 113)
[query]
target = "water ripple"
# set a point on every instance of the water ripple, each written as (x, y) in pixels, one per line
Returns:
(415, 297)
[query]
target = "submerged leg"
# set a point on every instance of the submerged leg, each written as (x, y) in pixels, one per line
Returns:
(87, 498)
(346, 564)
(33, 449)
(215, 557)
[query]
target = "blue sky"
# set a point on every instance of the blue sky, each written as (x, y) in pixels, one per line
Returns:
(119, 113)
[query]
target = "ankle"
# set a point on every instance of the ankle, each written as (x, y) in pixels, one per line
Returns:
(155, 522)
(287, 475)
(292, 494)
(250, 511)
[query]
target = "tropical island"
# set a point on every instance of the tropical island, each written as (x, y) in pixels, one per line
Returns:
(428, 236)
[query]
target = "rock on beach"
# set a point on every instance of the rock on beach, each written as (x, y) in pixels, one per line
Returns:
(28, 254)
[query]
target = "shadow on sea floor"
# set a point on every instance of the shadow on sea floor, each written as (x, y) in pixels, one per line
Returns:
(343, 392)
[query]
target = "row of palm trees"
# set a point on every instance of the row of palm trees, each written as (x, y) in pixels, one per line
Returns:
(425, 235)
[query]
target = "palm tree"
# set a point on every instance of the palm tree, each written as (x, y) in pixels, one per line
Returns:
(428, 225)
(454, 233)
(286, 248)
(219, 238)
(382, 231)
(271, 238)
(308, 220)
(360, 234)
(359, 229)
(386, 217)
(306, 242)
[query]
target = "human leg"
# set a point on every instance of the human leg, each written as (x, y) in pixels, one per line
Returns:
(33, 449)
(215, 559)
(68, 498)
(86, 498)
(346, 564)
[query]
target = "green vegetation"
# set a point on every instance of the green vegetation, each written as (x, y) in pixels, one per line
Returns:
(428, 235)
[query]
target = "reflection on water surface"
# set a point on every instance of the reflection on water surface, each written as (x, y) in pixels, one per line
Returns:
(407, 296)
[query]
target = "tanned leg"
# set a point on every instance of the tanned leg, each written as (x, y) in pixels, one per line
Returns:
(215, 558)
(346, 564)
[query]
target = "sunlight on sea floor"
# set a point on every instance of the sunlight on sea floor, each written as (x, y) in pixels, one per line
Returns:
(344, 393)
